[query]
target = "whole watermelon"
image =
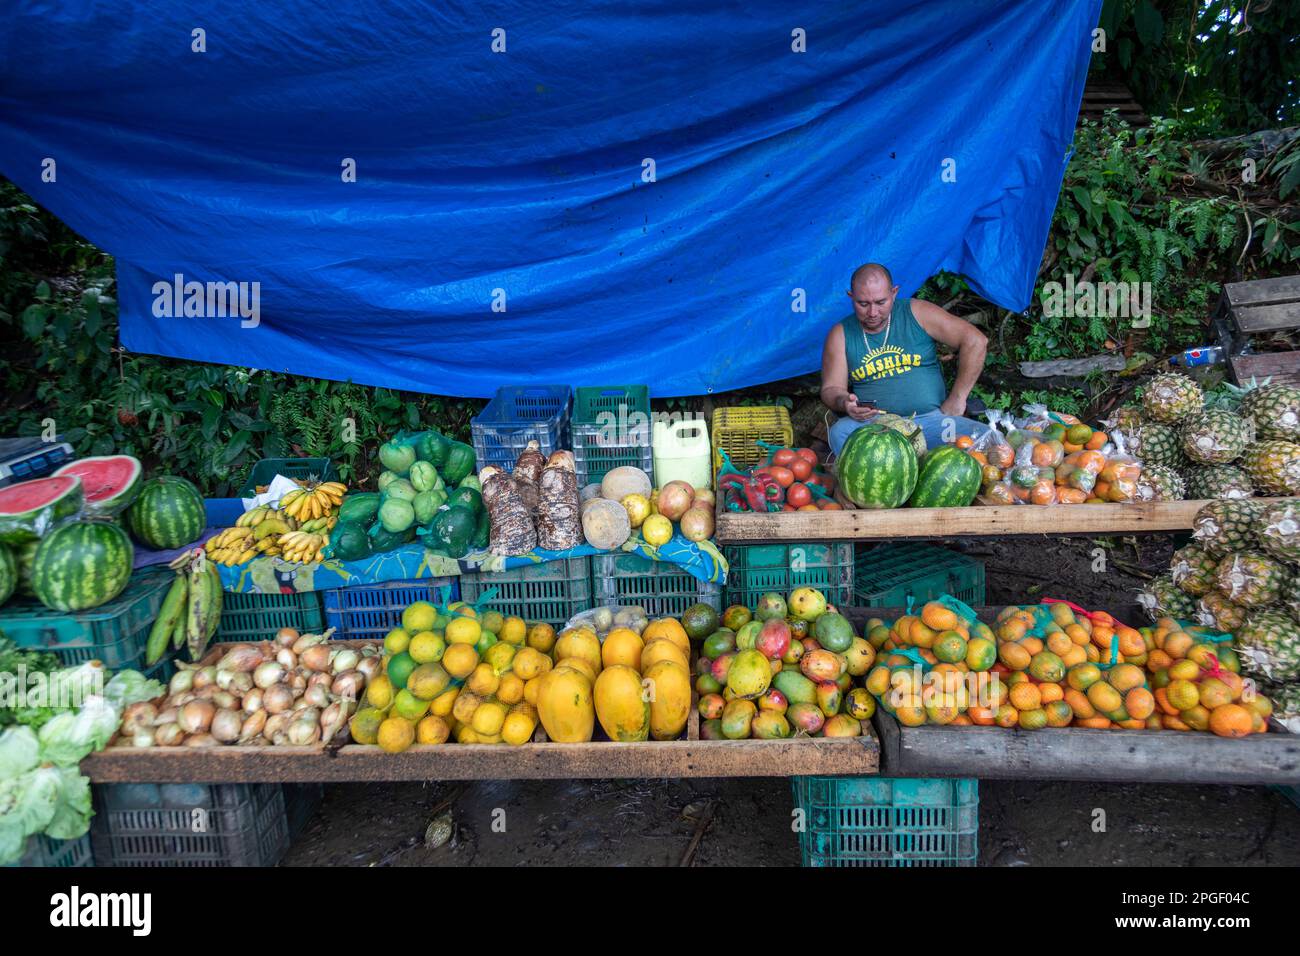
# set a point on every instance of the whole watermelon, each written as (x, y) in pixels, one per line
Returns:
(8, 573)
(877, 467)
(950, 478)
(81, 565)
(168, 513)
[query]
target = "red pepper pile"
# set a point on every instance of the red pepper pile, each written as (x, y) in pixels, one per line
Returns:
(789, 480)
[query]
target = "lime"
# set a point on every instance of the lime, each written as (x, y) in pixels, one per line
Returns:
(419, 617)
(427, 647)
(407, 705)
(399, 669)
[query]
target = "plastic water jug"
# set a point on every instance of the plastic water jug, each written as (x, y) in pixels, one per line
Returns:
(682, 453)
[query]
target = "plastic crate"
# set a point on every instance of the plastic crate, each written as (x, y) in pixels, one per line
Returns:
(189, 825)
(255, 616)
(594, 457)
(879, 821)
(114, 633)
(266, 470)
(520, 414)
(552, 591)
(888, 575)
(737, 431)
(621, 401)
(755, 569)
(46, 851)
(372, 610)
(25, 459)
(301, 801)
(664, 589)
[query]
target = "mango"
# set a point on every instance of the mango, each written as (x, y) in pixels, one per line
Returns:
(842, 725)
(750, 674)
(770, 605)
(774, 700)
(805, 718)
(807, 604)
(774, 638)
(711, 730)
(670, 701)
(833, 632)
(860, 656)
(720, 667)
(737, 718)
(829, 697)
(622, 712)
(821, 665)
(565, 706)
(769, 725)
(747, 635)
(797, 688)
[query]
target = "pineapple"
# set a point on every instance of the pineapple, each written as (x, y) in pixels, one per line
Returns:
(1275, 409)
(1217, 481)
(1224, 526)
(1192, 569)
(1273, 466)
(1216, 437)
(1269, 645)
(1251, 578)
(1127, 418)
(1171, 397)
(1163, 598)
(1279, 531)
(1286, 704)
(1217, 611)
(1291, 596)
(1156, 444)
(1159, 483)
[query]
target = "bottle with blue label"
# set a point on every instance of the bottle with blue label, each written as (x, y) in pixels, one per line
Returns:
(1205, 355)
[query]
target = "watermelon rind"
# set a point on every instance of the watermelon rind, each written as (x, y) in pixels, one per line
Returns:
(8, 573)
(109, 482)
(950, 478)
(876, 468)
(168, 513)
(81, 565)
(30, 509)
(24, 554)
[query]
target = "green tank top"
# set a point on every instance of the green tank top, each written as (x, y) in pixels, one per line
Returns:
(895, 369)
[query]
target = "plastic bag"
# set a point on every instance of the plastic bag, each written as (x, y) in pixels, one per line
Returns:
(604, 619)
(993, 444)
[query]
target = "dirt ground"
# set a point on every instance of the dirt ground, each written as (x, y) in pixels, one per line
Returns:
(748, 822)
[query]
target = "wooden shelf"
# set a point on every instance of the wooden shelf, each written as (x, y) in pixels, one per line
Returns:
(994, 520)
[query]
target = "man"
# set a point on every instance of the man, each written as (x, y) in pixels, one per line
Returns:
(882, 359)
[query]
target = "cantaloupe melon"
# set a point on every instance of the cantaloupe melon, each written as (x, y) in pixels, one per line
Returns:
(626, 480)
(605, 523)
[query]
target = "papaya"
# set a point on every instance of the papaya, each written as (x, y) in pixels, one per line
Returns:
(620, 706)
(670, 704)
(565, 707)
(661, 649)
(581, 643)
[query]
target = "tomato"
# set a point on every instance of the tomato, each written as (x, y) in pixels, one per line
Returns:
(784, 476)
(783, 457)
(801, 469)
(808, 455)
(798, 494)
(816, 478)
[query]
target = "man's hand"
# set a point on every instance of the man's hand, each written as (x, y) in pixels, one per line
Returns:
(859, 413)
(954, 406)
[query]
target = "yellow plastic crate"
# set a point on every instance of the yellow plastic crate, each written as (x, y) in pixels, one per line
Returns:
(735, 430)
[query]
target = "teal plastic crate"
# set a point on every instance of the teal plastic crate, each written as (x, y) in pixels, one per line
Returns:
(590, 402)
(552, 591)
(664, 589)
(595, 454)
(888, 575)
(266, 469)
(114, 633)
(254, 616)
(756, 569)
(887, 822)
(46, 851)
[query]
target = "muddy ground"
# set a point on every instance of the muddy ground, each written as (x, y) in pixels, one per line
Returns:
(748, 822)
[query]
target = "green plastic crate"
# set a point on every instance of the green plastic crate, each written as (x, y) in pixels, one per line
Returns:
(266, 469)
(593, 459)
(664, 589)
(889, 575)
(590, 402)
(253, 616)
(756, 569)
(552, 591)
(114, 633)
(48, 852)
(596, 450)
(887, 822)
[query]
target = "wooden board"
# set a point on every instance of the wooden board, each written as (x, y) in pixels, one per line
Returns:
(1263, 291)
(1265, 305)
(1080, 753)
(1277, 366)
(1001, 520)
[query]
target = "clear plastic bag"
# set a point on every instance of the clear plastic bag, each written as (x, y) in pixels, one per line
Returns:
(602, 620)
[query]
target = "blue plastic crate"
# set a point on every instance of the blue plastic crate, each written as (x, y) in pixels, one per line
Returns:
(372, 610)
(520, 414)
(883, 821)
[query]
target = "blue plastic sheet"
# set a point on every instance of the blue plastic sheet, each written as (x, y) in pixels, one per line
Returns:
(926, 135)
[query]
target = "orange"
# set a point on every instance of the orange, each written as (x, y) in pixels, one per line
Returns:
(1162, 701)
(911, 714)
(1260, 705)
(982, 716)
(1097, 440)
(1198, 717)
(1140, 703)
(1012, 629)
(1079, 703)
(1059, 642)
(1133, 724)
(979, 457)
(1050, 692)
(1131, 642)
(1101, 636)
(950, 647)
(1015, 656)
(1075, 655)
(1094, 654)
(1182, 694)
(1083, 676)
(1124, 677)
(1177, 645)
(1091, 461)
(1043, 493)
(1059, 714)
(1104, 697)
(1002, 455)
(1032, 644)
(1173, 723)
(1231, 720)
(1201, 654)
(964, 441)
(1158, 660)
(1214, 693)
(981, 654)
(1025, 696)
(1033, 719)
(1007, 716)
(920, 634)
(1070, 496)
(1097, 723)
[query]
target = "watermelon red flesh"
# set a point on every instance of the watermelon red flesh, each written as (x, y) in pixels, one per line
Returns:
(29, 509)
(876, 468)
(110, 483)
(950, 478)
(82, 564)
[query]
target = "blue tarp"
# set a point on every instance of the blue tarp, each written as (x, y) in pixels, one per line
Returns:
(526, 171)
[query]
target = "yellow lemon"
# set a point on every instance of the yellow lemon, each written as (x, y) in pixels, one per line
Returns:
(419, 617)
(511, 689)
(379, 693)
(513, 631)
(518, 729)
(460, 660)
(488, 718)
(365, 725)
(638, 509)
(657, 530)
(500, 655)
(541, 636)
(463, 630)
(530, 663)
(395, 735)
(483, 681)
(397, 640)
(441, 706)
(432, 730)
(427, 647)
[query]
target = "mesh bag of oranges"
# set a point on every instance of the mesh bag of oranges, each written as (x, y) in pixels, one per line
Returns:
(1197, 685)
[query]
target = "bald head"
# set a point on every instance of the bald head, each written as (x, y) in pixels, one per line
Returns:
(872, 290)
(872, 270)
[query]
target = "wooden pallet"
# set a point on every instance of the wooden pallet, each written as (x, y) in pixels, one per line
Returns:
(1102, 95)
(1260, 307)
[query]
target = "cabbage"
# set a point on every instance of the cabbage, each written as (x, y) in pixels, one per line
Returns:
(72, 812)
(70, 687)
(19, 752)
(29, 801)
(69, 737)
(130, 687)
(13, 843)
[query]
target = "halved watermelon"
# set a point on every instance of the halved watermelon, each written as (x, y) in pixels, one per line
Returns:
(110, 483)
(31, 508)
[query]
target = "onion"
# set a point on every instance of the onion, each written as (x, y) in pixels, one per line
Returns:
(333, 719)
(241, 683)
(253, 701)
(306, 641)
(298, 683)
(224, 678)
(205, 677)
(372, 667)
(280, 739)
(255, 742)
(181, 681)
(307, 714)
(253, 726)
(344, 660)
(169, 735)
(142, 738)
(226, 725)
(241, 657)
(287, 658)
(206, 692)
(225, 700)
(138, 716)
(167, 716)
(277, 699)
(316, 658)
(317, 695)
(268, 673)
(180, 700)
(276, 725)
(200, 740)
(348, 685)
(303, 733)
(286, 636)
(196, 717)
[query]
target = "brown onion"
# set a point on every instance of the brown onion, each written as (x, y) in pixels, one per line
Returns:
(275, 725)
(316, 658)
(241, 683)
(138, 716)
(225, 700)
(169, 735)
(205, 677)
(196, 716)
(201, 740)
(241, 657)
(286, 636)
(303, 733)
(316, 695)
(226, 725)
(252, 726)
(253, 701)
(372, 667)
(268, 673)
(277, 699)
(348, 685)
(343, 660)
(167, 716)
(182, 681)
(287, 658)
(306, 641)
(298, 683)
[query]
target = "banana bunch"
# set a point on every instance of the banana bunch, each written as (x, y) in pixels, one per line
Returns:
(232, 546)
(304, 547)
(318, 501)
(251, 517)
(318, 525)
(191, 609)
